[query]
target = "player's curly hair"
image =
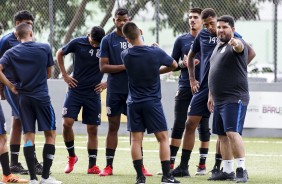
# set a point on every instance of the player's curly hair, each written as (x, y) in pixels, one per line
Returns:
(208, 12)
(97, 33)
(23, 15)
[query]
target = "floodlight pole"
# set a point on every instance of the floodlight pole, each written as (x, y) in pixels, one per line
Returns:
(275, 39)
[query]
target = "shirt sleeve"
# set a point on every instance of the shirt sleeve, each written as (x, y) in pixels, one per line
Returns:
(165, 58)
(50, 57)
(196, 47)
(5, 60)
(4, 46)
(104, 51)
(69, 47)
(176, 52)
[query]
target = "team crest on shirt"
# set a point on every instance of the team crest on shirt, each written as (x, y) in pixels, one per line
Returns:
(223, 49)
(109, 110)
(65, 111)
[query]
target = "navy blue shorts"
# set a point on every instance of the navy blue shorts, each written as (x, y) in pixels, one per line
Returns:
(2, 122)
(198, 105)
(229, 117)
(91, 108)
(116, 104)
(146, 115)
(40, 110)
(13, 101)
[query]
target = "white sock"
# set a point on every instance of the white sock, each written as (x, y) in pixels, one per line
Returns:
(228, 166)
(241, 163)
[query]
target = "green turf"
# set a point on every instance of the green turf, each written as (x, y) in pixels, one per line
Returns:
(263, 160)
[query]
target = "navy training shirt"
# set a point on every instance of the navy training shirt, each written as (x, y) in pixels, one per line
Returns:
(111, 47)
(182, 46)
(228, 78)
(29, 61)
(142, 64)
(205, 42)
(8, 41)
(86, 65)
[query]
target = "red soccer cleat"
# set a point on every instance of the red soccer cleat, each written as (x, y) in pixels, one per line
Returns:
(93, 170)
(70, 165)
(146, 172)
(107, 171)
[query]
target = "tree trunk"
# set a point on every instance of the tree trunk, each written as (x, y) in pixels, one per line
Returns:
(108, 14)
(75, 21)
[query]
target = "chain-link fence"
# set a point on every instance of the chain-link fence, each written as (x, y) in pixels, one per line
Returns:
(58, 21)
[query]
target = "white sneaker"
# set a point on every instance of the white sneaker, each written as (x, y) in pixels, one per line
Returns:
(33, 182)
(49, 180)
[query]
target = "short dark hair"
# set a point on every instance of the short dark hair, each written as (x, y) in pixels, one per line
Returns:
(23, 15)
(208, 12)
(23, 29)
(196, 10)
(121, 12)
(228, 19)
(97, 33)
(130, 30)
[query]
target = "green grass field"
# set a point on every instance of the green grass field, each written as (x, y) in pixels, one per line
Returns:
(263, 160)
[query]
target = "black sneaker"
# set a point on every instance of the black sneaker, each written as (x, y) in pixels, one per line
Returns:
(18, 169)
(170, 180)
(180, 172)
(223, 176)
(214, 173)
(241, 175)
(141, 180)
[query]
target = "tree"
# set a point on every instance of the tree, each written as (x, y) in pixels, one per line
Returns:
(70, 15)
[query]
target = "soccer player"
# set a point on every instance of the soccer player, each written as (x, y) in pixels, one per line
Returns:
(184, 95)
(110, 62)
(84, 92)
(8, 41)
(31, 63)
(229, 97)
(143, 64)
(4, 156)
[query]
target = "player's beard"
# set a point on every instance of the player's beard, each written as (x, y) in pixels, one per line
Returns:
(225, 38)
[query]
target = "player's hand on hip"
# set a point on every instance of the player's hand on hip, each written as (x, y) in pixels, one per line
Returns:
(14, 90)
(194, 86)
(72, 82)
(100, 87)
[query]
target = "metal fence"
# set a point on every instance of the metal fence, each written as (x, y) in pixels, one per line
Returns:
(58, 21)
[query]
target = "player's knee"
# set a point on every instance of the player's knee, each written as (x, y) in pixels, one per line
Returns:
(177, 133)
(204, 130)
(92, 130)
(17, 125)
